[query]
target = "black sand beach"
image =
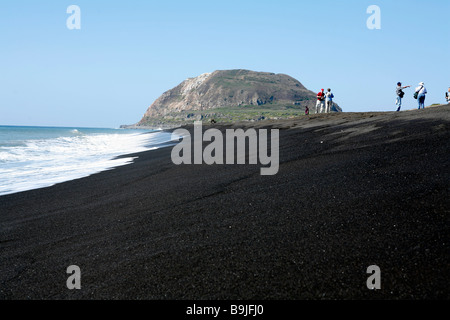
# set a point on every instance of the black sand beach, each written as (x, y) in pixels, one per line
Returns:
(353, 190)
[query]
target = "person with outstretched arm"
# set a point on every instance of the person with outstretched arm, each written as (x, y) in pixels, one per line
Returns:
(400, 95)
(421, 92)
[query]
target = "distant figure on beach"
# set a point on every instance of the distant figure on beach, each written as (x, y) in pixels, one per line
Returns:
(400, 95)
(329, 100)
(320, 105)
(306, 111)
(420, 93)
(447, 96)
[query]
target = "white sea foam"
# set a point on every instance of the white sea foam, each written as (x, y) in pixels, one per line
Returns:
(44, 162)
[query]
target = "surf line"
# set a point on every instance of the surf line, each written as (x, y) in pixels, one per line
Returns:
(214, 151)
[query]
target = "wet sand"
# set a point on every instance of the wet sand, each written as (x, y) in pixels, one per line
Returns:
(353, 190)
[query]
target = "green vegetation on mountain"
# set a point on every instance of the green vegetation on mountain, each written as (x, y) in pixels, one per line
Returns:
(229, 96)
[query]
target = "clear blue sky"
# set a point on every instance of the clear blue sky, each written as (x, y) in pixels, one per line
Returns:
(128, 53)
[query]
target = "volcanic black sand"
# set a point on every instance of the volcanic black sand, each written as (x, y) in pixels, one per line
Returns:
(353, 190)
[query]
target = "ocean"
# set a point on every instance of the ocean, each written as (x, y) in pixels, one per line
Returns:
(37, 157)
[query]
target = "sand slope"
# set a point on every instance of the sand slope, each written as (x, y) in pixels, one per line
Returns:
(353, 189)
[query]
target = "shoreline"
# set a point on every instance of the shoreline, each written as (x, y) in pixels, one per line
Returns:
(353, 190)
(40, 157)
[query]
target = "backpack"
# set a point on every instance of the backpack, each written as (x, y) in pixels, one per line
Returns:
(416, 94)
(401, 94)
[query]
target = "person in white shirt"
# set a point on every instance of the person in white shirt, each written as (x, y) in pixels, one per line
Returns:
(328, 101)
(421, 91)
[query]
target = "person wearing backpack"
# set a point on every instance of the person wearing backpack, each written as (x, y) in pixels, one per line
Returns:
(328, 100)
(420, 93)
(400, 95)
(320, 105)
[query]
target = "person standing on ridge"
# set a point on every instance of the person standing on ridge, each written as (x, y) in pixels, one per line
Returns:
(320, 105)
(400, 95)
(329, 100)
(420, 93)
